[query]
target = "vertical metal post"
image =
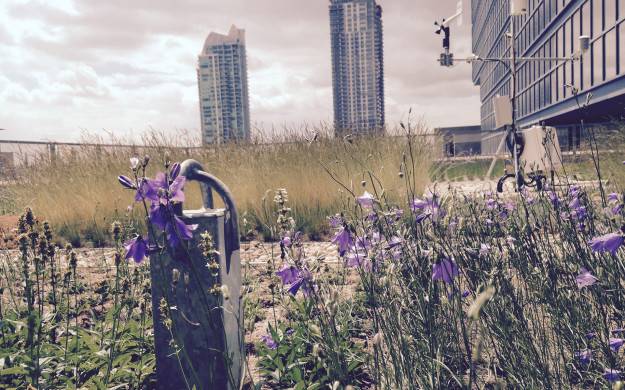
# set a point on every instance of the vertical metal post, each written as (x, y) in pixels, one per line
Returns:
(517, 173)
(199, 336)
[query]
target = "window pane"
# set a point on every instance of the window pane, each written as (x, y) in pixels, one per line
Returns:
(610, 54)
(597, 17)
(609, 13)
(586, 18)
(597, 60)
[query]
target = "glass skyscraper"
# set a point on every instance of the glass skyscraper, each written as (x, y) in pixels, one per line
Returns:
(222, 84)
(357, 66)
(551, 28)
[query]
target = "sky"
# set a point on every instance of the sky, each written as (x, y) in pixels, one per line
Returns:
(75, 67)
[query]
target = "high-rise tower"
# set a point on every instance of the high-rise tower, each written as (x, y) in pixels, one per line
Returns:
(222, 84)
(357, 66)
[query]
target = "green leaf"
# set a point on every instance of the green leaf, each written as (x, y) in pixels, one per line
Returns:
(17, 370)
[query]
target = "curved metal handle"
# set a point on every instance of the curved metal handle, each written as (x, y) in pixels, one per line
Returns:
(192, 170)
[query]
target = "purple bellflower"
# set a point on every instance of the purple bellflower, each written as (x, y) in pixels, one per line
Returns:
(335, 221)
(446, 270)
(161, 191)
(365, 200)
(616, 343)
(344, 240)
(288, 274)
(303, 282)
(610, 242)
(585, 279)
(357, 259)
(429, 207)
(136, 249)
(269, 342)
(177, 230)
(611, 375)
(613, 197)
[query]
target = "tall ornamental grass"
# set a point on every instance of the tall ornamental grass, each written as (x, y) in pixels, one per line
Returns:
(77, 192)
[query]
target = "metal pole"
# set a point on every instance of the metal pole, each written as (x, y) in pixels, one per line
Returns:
(512, 102)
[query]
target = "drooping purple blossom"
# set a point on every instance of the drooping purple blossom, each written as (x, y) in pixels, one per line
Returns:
(178, 231)
(159, 214)
(446, 270)
(616, 343)
(591, 335)
(429, 208)
(484, 249)
(136, 249)
(491, 204)
(394, 242)
(162, 191)
(611, 375)
(269, 341)
(365, 200)
(613, 197)
(610, 242)
(585, 279)
(553, 197)
(343, 239)
(288, 274)
(584, 356)
(303, 282)
(358, 259)
(335, 221)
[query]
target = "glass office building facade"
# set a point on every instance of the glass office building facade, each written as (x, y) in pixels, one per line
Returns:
(551, 28)
(357, 66)
(222, 85)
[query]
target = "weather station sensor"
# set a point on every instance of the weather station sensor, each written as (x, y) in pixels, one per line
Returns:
(529, 148)
(447, 58)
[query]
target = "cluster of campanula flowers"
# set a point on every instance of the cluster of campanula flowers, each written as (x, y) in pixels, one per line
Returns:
(368, 246)
(162, 192)
(294, 273)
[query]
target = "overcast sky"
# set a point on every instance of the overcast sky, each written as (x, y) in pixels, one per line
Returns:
(68, 66)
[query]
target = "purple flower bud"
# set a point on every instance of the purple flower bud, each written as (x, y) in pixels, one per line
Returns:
(126, 182)
(134, 163)
(286, 241)
(174, 170)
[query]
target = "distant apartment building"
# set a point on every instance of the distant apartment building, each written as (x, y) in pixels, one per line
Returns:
(222, 84)
(357, 66)
(551, 28)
